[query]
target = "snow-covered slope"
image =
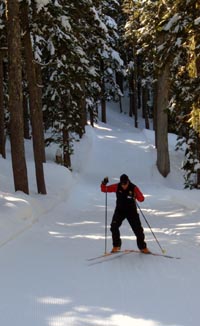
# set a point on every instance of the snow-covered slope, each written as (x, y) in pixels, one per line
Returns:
(46, 279)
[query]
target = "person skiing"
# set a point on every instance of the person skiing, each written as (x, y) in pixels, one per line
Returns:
(126, 193)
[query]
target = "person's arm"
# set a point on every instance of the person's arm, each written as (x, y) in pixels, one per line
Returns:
(138, 194)
(110, 188)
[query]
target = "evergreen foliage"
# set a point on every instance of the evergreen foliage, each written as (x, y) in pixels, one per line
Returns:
(70, 40)
(75, 39)
(172, 35)
(82, 49)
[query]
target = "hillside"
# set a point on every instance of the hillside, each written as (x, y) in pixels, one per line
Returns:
(46, 279)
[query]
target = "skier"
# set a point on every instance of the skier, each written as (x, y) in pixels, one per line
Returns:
(126, 193)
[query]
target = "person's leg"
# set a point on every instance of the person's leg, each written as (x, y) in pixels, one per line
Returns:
(114, 228)
(137, 228)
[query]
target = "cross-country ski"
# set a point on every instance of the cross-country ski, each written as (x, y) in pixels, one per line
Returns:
(129, 251)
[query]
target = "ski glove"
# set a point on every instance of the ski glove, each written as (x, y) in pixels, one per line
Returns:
(105, 181)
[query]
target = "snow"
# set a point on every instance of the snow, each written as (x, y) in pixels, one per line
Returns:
(66, 23)
(172, 21)
(41, 4)
(116, 56)
(197, 21)
(46, 279)
(97, 17)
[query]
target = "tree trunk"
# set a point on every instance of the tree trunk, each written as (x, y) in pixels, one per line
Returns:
(2, 120)
(139, 78)
(131, 102)
(163, 162)
(66, 145)
(103, 110)
(198, 157)
(135, 90)
(26, 118)
(35, 109)
(40, 113)
(83, 113)
(119, 81)
(197, 64)
(103, 101)
(145, 105)
(91, 113)
(135, 100)
(15, 97)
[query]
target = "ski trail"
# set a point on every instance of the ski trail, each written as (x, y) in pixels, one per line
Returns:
(45, 279)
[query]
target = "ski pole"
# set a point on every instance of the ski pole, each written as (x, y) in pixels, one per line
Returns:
(106, 222)
(163, 250)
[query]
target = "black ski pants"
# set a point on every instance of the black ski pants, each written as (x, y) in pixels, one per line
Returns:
(133, 218)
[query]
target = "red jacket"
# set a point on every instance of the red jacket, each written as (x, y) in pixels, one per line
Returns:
(113, 188)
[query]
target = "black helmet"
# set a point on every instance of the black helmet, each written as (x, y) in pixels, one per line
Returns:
(124, 179)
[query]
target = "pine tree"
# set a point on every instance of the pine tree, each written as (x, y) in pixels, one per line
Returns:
(3, 54)
(146, 38)
(185, 85)
(177, 23)
(111, 62)
(35, 109)
(60, 56)
(15, 97)
(71, 64)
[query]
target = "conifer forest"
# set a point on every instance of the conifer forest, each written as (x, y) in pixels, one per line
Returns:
(62, 61)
